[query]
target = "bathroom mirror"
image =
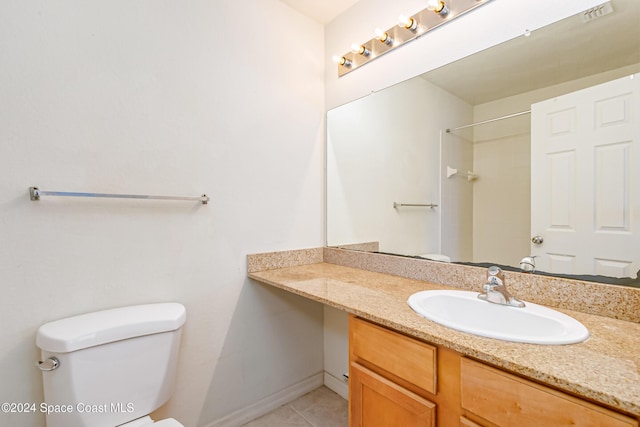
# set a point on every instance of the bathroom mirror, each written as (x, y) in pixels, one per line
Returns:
(440, 166)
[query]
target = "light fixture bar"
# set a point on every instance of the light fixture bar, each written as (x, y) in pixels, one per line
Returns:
(422, 22)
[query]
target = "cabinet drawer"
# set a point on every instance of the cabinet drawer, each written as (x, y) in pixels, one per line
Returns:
(506, 399)
(404, 357)
(378, 402)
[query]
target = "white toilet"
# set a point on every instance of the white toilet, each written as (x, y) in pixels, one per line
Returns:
(110, 368)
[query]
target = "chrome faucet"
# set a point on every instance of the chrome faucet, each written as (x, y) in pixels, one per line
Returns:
(495, 290)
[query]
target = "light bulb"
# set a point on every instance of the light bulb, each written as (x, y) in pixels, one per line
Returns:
(409, 23)
(360, 49)
(383, 36)
(438, 7)
(341, 60)
(434, 4)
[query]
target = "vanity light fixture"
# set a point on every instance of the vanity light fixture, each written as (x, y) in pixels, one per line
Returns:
(439, 7)
(437, 12)
(342, 61)
(383, 36)
(360, 49)
(410, 24)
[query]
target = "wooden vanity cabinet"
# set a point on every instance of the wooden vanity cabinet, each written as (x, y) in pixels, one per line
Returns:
(397, 380)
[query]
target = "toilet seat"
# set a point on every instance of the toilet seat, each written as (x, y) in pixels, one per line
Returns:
(148, 422)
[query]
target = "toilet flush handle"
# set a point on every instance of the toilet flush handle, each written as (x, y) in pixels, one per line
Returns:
(50, 364)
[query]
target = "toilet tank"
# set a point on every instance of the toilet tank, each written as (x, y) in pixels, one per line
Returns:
(114, 365)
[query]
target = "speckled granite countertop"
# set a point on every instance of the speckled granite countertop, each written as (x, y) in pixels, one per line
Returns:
(605, 368)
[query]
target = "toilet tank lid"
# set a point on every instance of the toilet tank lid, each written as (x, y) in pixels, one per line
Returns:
(101, 327)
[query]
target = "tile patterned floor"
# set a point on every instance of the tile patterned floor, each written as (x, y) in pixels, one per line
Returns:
(319, 408)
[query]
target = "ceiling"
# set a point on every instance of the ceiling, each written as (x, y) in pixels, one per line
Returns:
(563, 51)
(322, 11)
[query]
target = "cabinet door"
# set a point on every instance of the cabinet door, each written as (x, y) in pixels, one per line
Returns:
(377, 402)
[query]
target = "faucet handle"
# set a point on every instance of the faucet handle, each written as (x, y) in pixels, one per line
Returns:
(495, 275)
(495, 290)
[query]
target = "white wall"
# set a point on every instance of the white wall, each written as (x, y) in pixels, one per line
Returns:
(501, 195)
(336, 350)
(161, 97)
(456, 205)
(383, 142)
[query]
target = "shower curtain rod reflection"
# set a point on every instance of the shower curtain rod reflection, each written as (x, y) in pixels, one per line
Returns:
(35, 193)
(508, 116)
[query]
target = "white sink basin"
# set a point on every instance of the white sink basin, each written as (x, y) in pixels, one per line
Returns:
(463, 311)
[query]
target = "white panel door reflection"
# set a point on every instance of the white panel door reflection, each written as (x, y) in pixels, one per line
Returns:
(585, 180)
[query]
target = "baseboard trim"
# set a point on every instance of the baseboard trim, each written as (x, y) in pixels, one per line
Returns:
(269, 403)
(338, 385)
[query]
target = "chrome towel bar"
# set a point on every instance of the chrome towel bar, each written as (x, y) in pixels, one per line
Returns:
(35, 194)
(426, 205)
